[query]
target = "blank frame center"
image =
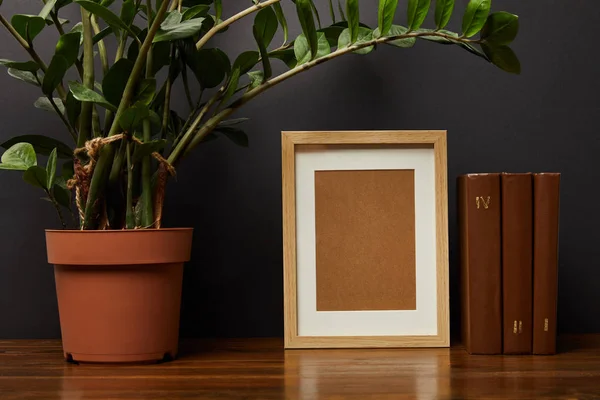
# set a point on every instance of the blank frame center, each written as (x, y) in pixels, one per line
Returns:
(365, 240)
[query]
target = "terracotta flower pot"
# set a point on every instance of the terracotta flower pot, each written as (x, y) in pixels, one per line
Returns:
(119, 292)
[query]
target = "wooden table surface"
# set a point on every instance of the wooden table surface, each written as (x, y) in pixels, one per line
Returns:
(261, 369)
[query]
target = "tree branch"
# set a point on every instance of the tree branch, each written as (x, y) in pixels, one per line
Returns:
(212, 123)
(215, 29)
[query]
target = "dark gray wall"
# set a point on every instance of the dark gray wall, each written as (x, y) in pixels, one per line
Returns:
(542, 120)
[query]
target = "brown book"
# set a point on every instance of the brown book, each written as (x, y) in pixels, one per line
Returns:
(546, 194)
(479, 207)
(517, 262)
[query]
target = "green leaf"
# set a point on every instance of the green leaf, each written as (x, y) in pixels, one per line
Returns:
(28, 26)
(316, 13)
(341, 10)
(353, 13)
(500, 28)
(256, 79)
(199, 10)
(54, 74)
(24, 76)
(67, 173)
(232, 85)
(115, 80)
(73, 107)
(236, 135)
(305, 14)
(30, 66)
(364, 35)
(171, 20)
(84, 94)
(43, 103)
(102, 34)
(417, 11)
(19, 156)
(133, 117)
(503, 57)
(108, 16)
(331, 11)
(282, 21)
(68, 46)
(302, 50)
(128, 12)
(181, 31)
(161, 56)
(256, 30)
(51, 169)
(145, 149)
(67, 50)
(286, 55)
(62, 196)
(210, 66)
(61, 3)
(475, 16)
(41, 145)
(36, 176)
(265, 26)
(47, 9)
(443, 12)
(246, 61)
(146, 91)
(385, 16)
(234, 121)
(332, 33)
(396, 30)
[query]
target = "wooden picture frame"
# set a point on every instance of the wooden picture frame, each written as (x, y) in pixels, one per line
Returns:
(293, 144)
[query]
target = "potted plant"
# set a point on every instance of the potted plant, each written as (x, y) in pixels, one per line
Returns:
(118, 271)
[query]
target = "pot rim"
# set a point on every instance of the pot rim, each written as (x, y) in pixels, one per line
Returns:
(118, 231)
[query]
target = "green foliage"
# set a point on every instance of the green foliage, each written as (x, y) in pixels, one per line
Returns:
(84, 94)
(305, 15)
(385, 16)
(353, 13)
(28, 26)
(19, 156)
(443, 12)
(475, 16)
(43, 145)
(500, 28)
(136, 78)
(417, 12)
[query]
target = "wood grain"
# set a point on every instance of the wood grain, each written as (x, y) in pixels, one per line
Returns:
(236, 369)
(417, 139)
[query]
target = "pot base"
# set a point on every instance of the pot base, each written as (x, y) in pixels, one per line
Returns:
(120, 358)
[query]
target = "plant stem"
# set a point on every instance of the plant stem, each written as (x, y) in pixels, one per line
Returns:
(129, 214)
(60, 89)
(85, 130)
(215, 29)
(194, 139)
(107, 152)
(147, 218)
(101, 46)
(57, 206)
(189, 134)
(108, 114)
(186, 87)
(63, 119)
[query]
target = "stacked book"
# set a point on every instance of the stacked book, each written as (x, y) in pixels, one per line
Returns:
(508, 227)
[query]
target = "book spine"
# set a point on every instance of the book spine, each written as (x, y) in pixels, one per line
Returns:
(546, 196)
(479, 211)
(517, 262)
